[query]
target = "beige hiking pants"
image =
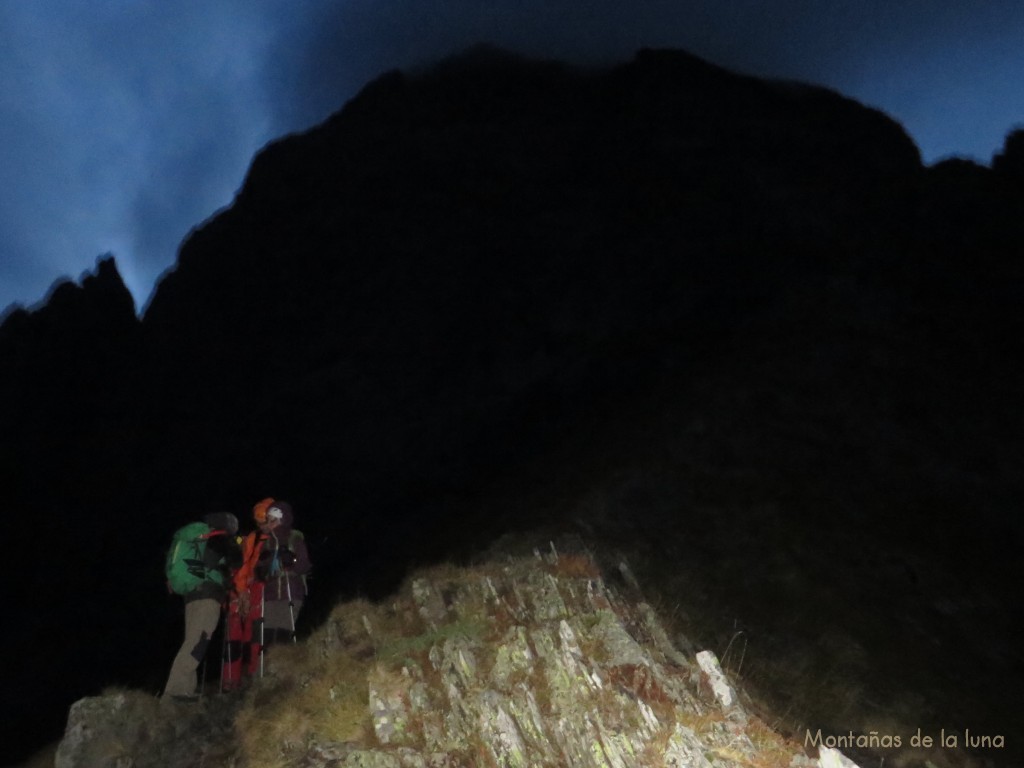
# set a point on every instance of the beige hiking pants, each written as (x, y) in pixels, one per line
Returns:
(201, 617)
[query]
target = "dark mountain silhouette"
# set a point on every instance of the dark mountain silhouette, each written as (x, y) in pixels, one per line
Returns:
(731, 326)
(66, 374)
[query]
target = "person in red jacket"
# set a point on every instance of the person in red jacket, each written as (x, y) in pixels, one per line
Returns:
(270, 588)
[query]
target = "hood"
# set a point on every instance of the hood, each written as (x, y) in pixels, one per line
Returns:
(287, 516)
(223, 521)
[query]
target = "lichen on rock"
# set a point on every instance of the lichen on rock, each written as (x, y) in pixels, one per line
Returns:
(529, 662)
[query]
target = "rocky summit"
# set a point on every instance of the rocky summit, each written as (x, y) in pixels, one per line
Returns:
(519, 664)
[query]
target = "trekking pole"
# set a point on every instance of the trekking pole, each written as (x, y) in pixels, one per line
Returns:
(263, 624)
(291, 603)
(206, 656)
(202, 683)
(225, 646)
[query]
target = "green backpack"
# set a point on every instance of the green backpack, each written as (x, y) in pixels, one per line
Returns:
(185, 567)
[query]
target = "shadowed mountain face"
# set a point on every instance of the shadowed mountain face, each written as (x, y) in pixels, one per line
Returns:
(456, 250)
(731, 326)
(64, 371)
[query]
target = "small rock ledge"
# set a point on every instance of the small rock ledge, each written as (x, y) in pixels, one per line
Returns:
(532, 662)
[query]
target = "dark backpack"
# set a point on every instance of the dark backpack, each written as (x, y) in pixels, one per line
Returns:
(186, 567)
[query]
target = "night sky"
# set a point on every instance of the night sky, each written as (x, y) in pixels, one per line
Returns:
(125, 123)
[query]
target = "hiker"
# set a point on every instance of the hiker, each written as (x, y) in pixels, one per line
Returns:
(282, 567)
(198, 567)
(270, 588)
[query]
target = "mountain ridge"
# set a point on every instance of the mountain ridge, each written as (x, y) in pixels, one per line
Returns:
(639, 297)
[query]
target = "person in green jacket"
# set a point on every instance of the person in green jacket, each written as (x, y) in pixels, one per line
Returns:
(203, 604)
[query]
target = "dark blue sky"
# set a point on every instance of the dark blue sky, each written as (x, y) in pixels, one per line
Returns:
(124, 123)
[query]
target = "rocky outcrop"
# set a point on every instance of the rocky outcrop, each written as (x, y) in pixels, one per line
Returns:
(518, 664)
(131, 729)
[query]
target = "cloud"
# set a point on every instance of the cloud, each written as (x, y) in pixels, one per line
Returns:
(131, 122)
(124, 123)
(906, 58)
(349, 43)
